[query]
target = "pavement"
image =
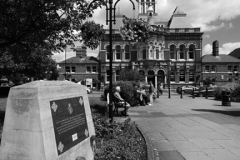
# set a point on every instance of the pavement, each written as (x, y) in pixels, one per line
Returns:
(190, 128)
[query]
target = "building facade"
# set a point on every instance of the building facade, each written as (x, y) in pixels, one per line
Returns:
(172, 54)
(221, 69)
(81, 67)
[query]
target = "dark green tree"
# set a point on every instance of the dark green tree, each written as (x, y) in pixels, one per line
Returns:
(131, 75)
(47, 23)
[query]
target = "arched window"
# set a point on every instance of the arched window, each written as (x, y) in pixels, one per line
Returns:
(127, 52)
(182, 49)
(144, 54)
(172, 52)
(108, 53)
(118, 53)
(191, 53)
(157, 53)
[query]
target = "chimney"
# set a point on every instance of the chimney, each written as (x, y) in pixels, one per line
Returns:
(215, 48)
(81, 51)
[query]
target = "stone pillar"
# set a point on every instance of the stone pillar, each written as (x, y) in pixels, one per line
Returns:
(122, 54)
(146, 78)
(155, 80)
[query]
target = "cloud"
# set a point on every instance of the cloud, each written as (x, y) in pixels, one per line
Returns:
(201, 13)
(207, 36)
(230, 25)
(225, 49)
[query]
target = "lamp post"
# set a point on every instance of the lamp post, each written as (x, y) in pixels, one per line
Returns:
(169, 69)
(109, 9)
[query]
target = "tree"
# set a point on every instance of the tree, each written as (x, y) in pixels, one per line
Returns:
(131, 75)
(47, 23)
(19, 64)
(135, 30)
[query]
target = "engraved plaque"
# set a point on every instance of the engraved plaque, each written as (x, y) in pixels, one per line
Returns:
(69, 122)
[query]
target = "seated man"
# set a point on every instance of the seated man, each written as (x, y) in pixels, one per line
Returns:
(120, 100)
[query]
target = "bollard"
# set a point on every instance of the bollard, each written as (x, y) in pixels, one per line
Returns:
(193, 93)
(206, 93)
(181, 93)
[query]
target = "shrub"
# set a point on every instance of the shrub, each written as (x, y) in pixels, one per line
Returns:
(233, 88)
(127, 89)
(117, 140)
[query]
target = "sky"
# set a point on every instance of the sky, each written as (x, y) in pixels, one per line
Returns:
(218, 19)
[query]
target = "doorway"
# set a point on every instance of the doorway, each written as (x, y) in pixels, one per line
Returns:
(151, 77)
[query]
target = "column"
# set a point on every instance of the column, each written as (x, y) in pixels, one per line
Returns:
(122, 54)
(155, 80)
(146, 78)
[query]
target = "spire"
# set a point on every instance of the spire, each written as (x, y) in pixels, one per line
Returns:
(178, 11)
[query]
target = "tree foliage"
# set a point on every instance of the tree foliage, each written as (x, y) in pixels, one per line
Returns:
(131, 75)
(46, 23)
(92, 34)
(135, 30)
(19, 64)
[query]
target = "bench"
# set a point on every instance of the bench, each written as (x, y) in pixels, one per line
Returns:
(117, 105)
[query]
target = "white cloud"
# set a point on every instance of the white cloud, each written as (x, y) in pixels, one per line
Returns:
(207, 36)
(230, 25)
(225, 49)
(202, 13)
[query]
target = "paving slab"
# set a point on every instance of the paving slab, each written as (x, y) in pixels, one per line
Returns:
(220, 154)
(170, 155)
(184, 146)
(192, 129)
(205, 143)
(195, 156)
(164, 145)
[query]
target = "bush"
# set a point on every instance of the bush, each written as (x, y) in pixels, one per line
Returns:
(127, 89)
(233, 88)
(117, 140)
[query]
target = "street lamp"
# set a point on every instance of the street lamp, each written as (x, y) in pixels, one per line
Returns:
(110, 8)
(169, 69)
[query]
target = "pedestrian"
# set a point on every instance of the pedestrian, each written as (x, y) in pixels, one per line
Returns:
(151, 91)
(160, 87)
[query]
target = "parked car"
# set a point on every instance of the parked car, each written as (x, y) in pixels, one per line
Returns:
(186, 89)
(202, 92)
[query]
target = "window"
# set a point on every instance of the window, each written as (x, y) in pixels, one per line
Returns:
(235, 69)
(108, 75)
(191, 75)
(117, 75)
(191, 51)
(118, 53)
(182, 75)
(207, 68)
(213, 68)
(94, 69)
(157, 54)
(172, 76)
(127, 52)
(182, 52)
(172, 51)
(144, 54)
(108, 52)
(88, 69)
(67, 69)
(229, 68)
(73, 69)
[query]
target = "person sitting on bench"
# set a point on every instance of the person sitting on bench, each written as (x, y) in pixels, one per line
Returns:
(120, 100)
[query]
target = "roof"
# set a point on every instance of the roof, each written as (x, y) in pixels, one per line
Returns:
(235, 53)
(219, 59)
(179, 20)
(76, 60)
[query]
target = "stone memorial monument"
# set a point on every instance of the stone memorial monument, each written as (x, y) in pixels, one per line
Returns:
(48, 120)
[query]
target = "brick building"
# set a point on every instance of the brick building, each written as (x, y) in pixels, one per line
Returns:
(220, 68)
(80, 67)
(175, 51)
